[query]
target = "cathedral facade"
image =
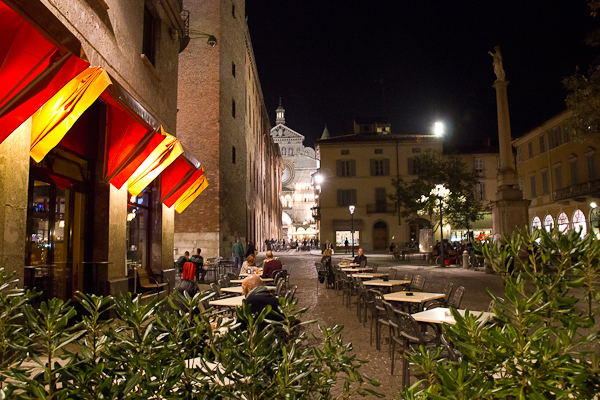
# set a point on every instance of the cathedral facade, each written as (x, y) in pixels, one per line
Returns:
(298, 194)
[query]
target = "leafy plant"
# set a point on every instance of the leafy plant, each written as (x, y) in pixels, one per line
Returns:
(543, 343)
(168, 349)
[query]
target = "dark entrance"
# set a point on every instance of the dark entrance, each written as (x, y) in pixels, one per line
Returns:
(380, 236)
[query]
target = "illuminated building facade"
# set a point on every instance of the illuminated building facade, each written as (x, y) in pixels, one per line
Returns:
(298, 194)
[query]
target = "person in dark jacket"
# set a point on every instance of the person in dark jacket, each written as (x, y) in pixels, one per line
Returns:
(198, 261)
(250, 249)
(360, 257)
(182, 260)
(259, 297)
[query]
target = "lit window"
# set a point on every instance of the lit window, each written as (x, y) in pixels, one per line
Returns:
(579, 224)
(536, 224)
(563, 222)
(548, 222)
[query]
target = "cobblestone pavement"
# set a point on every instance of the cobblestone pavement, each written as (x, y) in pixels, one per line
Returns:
(327, 308)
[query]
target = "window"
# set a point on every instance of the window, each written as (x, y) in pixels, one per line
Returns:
(579, 224)
(138, 234)
(480, 191)
(345, 152)
(290, 151)
(416, 150)
(233, 108)
(233, 154)
(563, 222)
(574, 171)
(233, 10)
(380, 167)
(558, 176)
(554, 137)
(380, 196)
(522, 186)
(479, 165)
(346, 197)
(149, 39)
(378, 151)
(530, 149)
(345, 168)
(545, 187)
(548, 222)
(342, 236)
(233, 69)
(413, 168)
(590, 158)
(536, 224)
(519, 154)
(533, 188)
(542, 144)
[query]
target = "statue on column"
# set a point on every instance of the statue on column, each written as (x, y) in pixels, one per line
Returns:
(498, 68)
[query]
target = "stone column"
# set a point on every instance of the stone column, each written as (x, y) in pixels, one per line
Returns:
(510, 210)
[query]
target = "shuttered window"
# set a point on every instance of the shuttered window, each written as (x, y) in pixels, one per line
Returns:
(380, 167)
(345, 168)
(412, 166)
(346, 197)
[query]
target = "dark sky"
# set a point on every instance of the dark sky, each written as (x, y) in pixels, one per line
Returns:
(416, 61)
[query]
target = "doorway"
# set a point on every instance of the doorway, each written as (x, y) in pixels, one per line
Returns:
(380, 236)
(56, 216)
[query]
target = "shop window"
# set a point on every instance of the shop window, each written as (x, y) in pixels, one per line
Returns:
(138, 233)
(563, 222)
(536, 224)
(342, 236)
(548, 222)
(579, 224)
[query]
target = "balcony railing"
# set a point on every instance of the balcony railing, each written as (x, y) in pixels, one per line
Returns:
(381, 208)
(580, 189)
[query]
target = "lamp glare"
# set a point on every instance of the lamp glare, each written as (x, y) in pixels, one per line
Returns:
(439, 129)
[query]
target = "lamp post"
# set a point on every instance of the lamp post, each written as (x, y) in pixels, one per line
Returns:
(441, 192)
(352, 226)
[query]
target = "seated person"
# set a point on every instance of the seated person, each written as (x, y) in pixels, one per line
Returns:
(360, 258)
(182, 260)
(198, 261)
(249, 263)
(270, 265)
(258, 297)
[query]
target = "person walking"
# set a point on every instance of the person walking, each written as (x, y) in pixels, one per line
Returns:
(346, 245)
(238, 253)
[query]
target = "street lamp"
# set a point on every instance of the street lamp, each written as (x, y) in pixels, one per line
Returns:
(441, 192)
(439, 129)
(352, 208)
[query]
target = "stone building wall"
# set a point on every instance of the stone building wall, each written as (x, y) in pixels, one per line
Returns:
(234, 204)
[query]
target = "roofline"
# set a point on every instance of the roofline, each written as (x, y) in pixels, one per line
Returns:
(549, 123)
(390, 138)
(304, 137)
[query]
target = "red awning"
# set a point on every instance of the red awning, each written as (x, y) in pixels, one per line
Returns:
(32, 69)
(179, 177)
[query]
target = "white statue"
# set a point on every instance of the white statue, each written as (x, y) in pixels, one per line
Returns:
(498, 69)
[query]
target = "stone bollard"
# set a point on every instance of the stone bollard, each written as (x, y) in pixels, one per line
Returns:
(465, 259)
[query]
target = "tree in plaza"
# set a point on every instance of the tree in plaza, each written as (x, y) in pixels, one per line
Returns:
(415, 200)
(583, 98)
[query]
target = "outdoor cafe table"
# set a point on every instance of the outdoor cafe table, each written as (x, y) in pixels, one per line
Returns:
(248, 274)
(438, 316)
(369, 276)
(238, 289)
(236, 301)
(386, 285)
(239, 281)
(357, 269)
(416, 297)
(443, 315)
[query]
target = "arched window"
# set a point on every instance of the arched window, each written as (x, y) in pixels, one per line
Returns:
(290, 151)
(283, 151)
(579, 223)
(536, 223)
(548, 222)
(563, 222)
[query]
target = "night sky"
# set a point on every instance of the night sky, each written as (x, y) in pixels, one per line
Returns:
(416, 61)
